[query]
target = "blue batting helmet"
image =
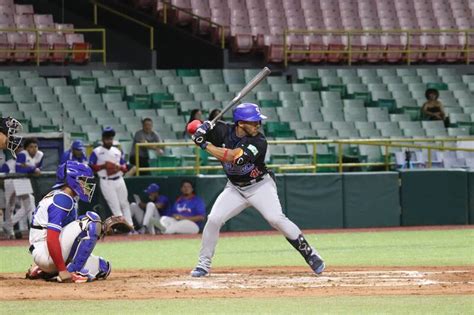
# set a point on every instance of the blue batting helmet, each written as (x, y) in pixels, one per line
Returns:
(108, 132)
(78, 177)
(248, 112)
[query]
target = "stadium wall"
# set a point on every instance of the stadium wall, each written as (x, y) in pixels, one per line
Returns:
(351, 200)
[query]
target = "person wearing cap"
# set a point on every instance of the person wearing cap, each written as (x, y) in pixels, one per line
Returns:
(149, 212)
(109, 164)
(75, 153)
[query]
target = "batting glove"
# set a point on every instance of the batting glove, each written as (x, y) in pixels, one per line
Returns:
(199, 139)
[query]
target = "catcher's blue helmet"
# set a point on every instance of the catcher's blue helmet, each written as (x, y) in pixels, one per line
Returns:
(248, 112)
(79, 177)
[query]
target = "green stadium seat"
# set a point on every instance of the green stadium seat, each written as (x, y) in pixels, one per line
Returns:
(400, 117)
(392, 80)
(372, 153)
(103, 82)
(8, 107)
(151, 89)
(40, 121)
(101, 73)
(64, 90)
(81, 113)
(165, 73)
(47, 98)
(56, 114)
(107, 121)
(11, 82)
(150, 81)
(9, 74)
(351, 80)
(292, 103)
(436, 132)
(53, 82)
(127, 81)
(288, 95)
(198, 88)
(321, 125)
(301, 87)
(377, 114)
(191, 80)
(406, 72)
(34, 82)
(369, 133)
(6, 98)
(143, 73)
(305, 134)
(459, 131)
(233, 76)
(414, 132)
(271, 113)
(327, 134)
(348, 133)
(276, 80)
(51, 107)
(411, 80)
(65, 98)
(351, 103)
(219, 87)
(281, 87)
(300, 125)
(288, 114)
(24, 98)
(451, 79)
(202, 96)
(210, 105)
(265, 95)
(82, 120)
(355, 114)
(364, 125)
(122, 73)
(85, 89)
(177, 88)
(326, 81)
(16, 90)
(459, 118)
(187, 72)
(357, 88)
(309, 114)
(99, 112)
(306, 73)
(42, 90)
(131, 90)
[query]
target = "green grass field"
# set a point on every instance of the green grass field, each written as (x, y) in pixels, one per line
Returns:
(401, 248)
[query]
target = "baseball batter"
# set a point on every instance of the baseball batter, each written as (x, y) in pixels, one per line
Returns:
(109, 163)
(241, 148)
(61, 244)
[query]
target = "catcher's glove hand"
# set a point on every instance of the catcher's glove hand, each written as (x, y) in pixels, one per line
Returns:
(117, 225)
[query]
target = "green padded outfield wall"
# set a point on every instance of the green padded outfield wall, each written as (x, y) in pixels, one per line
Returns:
(371, 199)
(434, 197)
(314, 200)
(471, 196)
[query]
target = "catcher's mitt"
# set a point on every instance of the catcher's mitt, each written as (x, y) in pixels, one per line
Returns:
(111, 168)
(117, 225)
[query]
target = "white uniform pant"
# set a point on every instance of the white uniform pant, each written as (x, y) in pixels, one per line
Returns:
(150, 218)
(22, 215)
(67, 237)
(233, 200)
(116, 195)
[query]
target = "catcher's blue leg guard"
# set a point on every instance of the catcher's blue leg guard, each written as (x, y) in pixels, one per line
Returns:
(91, 226)
(104, 269)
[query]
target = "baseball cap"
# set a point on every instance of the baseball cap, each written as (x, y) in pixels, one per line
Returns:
(77, 145)
(152, 188)
(108, 132)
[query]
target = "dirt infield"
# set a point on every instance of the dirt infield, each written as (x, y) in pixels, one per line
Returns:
(249, 282)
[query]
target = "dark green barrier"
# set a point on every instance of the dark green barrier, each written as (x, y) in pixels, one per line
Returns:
(371, 199)
(314, 201)
(471, 196)
(434, 197)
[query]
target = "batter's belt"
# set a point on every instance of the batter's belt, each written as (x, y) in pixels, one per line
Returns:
(251, 182)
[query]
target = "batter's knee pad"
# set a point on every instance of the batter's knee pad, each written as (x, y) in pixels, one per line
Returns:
(84, 244)
(105, 267)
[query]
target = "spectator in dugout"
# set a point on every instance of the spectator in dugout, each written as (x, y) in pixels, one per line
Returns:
(30, 159)
(187, 214)
(75, 153)
(145, 135)
(433, 109)
(148, 212)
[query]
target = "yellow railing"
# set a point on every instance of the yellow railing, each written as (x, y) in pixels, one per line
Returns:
(314, 166)
(97, 5)
(38, 50)
(167, 6)
(349, 34)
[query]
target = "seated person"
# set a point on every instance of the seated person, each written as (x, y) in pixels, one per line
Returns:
(187, 214)
(433, 109)
(148, 212)
(75, 153)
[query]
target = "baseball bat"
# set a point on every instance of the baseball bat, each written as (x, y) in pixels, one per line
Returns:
(245, 90)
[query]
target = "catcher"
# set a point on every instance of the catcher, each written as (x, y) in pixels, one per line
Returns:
(8, 139)
(60, 242)
(109, 163)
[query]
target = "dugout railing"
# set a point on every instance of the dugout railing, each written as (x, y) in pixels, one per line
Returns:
(38, 51)
(441, 144)
(351, 49)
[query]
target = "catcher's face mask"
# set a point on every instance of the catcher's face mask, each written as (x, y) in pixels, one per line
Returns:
(13, 141)
(87, 185)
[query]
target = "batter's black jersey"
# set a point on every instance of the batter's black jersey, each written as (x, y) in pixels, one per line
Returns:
(251, 164)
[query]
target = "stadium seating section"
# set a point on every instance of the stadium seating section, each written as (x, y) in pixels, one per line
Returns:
(260, 25)
(319, 104)
(17, 22)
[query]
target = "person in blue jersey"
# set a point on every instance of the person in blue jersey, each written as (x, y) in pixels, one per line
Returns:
(75, 153)
(30, 159)
(149, 211)
(187, 214)
(60, 242)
